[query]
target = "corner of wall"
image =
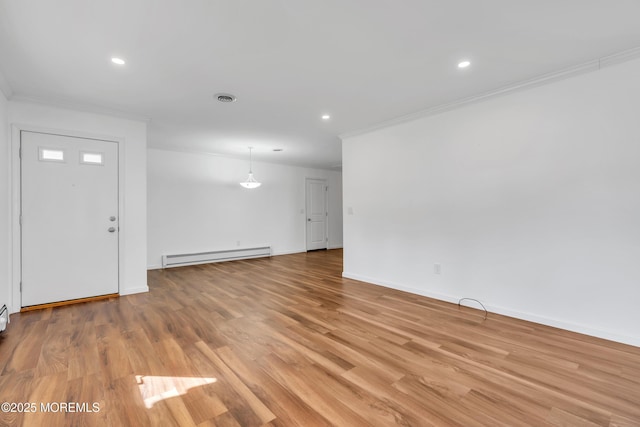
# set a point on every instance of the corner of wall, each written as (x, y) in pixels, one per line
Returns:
(519, 198)
(5, 204)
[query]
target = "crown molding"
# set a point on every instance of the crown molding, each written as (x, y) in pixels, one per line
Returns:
(5, 88)
(565, 73)
(77, 106)
(619, 57)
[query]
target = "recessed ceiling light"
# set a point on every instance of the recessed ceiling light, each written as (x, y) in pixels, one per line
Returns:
(326, 117)
(225, 97)
(464, 64)
(118, 61)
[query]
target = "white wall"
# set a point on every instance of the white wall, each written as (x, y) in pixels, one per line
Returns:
(195, 203)
(530, 202)
(5, 230)
(133, 137)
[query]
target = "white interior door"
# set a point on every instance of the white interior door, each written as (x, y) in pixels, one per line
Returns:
(316, 195)
(69, 218)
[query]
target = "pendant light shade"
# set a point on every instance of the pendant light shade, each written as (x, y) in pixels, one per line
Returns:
(251, 181)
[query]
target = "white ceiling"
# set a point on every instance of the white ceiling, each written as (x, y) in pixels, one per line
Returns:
(289, 61)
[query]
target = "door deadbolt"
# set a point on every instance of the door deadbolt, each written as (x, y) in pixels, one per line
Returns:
(112, 218)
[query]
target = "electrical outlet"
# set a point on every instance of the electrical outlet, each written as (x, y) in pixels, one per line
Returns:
(437, 269)
(238, 243)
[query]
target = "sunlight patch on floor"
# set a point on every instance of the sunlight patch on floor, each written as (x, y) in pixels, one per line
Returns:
(153, 389)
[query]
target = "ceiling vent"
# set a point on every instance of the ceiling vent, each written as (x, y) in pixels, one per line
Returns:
(225, 97)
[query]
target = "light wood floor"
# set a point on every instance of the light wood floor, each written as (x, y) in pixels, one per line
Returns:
(287, 342)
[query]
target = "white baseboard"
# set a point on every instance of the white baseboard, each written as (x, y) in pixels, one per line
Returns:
(131, 291)
(424, 293)
(569, 326)
(573, 327)
(295, 251)
(154, 267)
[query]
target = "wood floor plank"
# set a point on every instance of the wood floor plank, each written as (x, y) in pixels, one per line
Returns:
(286, 341)
(310, 392)
(15, 388)
(113, 353)
(87, 390)
(241, 388)
(49, 389)
(287, 406)
(27, 354)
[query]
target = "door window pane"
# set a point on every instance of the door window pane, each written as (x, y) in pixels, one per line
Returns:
(91, 158)
(50, 154)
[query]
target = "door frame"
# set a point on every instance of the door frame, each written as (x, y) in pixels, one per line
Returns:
(326, 207)
(15, 254)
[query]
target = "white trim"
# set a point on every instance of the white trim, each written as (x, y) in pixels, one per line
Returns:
(14, 217)
(131, 291)
(288, 252)
(556, 323)
(5, 88)
(8, 224)
(619, 57)
(15, 204)
(544, 79)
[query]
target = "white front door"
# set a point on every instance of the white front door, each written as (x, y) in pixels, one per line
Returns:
(316, 195)
(69, 218)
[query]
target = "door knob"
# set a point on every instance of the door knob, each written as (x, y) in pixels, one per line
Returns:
(112, 229)
(309, 219)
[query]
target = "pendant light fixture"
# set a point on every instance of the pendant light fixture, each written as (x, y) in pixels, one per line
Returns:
(251, 181)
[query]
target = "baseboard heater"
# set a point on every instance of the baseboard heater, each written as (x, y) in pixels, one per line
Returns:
(4, 317)
(214, 256)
